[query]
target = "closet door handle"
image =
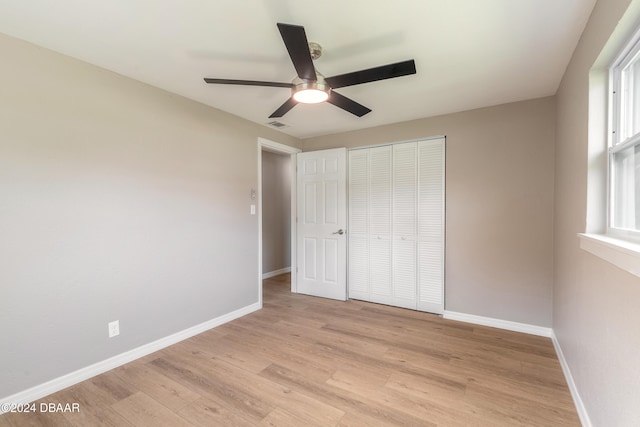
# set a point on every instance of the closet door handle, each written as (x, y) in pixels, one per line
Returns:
(341, 232)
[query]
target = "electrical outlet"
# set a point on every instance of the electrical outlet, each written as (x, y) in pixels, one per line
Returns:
(114, 328)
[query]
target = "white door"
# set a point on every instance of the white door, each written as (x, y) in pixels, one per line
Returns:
(396, 224)
(403, 252)
(359, 265)
(322, 224)
(431, 184)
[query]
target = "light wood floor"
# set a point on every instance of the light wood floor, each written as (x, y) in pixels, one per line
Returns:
(304, 361)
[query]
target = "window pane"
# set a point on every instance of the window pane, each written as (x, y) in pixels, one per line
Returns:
(626, 188)
(630, 81)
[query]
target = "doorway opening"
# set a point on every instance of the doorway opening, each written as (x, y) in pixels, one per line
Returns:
(277, 211)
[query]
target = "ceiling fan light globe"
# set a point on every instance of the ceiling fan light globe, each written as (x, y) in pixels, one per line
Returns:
(311, 96)
(310, 91)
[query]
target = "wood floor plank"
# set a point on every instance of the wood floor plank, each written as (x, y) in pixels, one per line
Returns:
(108, 388)
(312, 361)
(170, 393)
(41, 419)
(277, 352)
(141, 410)
(93, 409)
(182, 370)
(208, 411)
(340, 398)
(518, 409)
(307, 409)
(361, 419)
(234, 353)
(437, 411)
(365, 332)
(323, 334)
(358, 380)
(280, 418)
(549, 395)
(551, 373)
(94, 397)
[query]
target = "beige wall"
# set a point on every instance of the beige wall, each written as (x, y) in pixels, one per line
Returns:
(276, 211)
(117, 201)
(596, 317)
(499, 204)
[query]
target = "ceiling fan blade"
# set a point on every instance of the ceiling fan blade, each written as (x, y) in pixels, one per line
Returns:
(284, 108)
(383, 72)
(347, 104)
(247, 82)
(295, 39)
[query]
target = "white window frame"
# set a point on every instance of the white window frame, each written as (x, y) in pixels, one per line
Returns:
(616, 145)
(610, 244)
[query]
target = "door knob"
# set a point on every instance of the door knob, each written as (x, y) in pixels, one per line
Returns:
(341, 231)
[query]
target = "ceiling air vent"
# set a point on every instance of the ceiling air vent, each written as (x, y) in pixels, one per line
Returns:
(277, 124)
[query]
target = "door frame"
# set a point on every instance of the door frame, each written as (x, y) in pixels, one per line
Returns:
(276, 147)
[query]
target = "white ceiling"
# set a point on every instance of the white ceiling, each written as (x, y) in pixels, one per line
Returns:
(468, 53)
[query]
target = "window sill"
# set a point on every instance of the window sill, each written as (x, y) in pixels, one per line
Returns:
(621, 253)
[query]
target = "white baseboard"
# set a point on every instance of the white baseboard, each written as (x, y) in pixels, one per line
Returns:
(276, 273)
(577, 400)
(498, 323)
(57, 384)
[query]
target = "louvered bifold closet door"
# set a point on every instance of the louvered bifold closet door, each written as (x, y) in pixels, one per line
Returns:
(404, 225)
(358, 228)
(431, 225)
(380, 224)
(396, 224)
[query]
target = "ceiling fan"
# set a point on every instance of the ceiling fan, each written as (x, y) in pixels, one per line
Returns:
(311, 87)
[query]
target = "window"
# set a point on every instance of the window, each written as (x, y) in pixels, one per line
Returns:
(624, 151)
(612, 230)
